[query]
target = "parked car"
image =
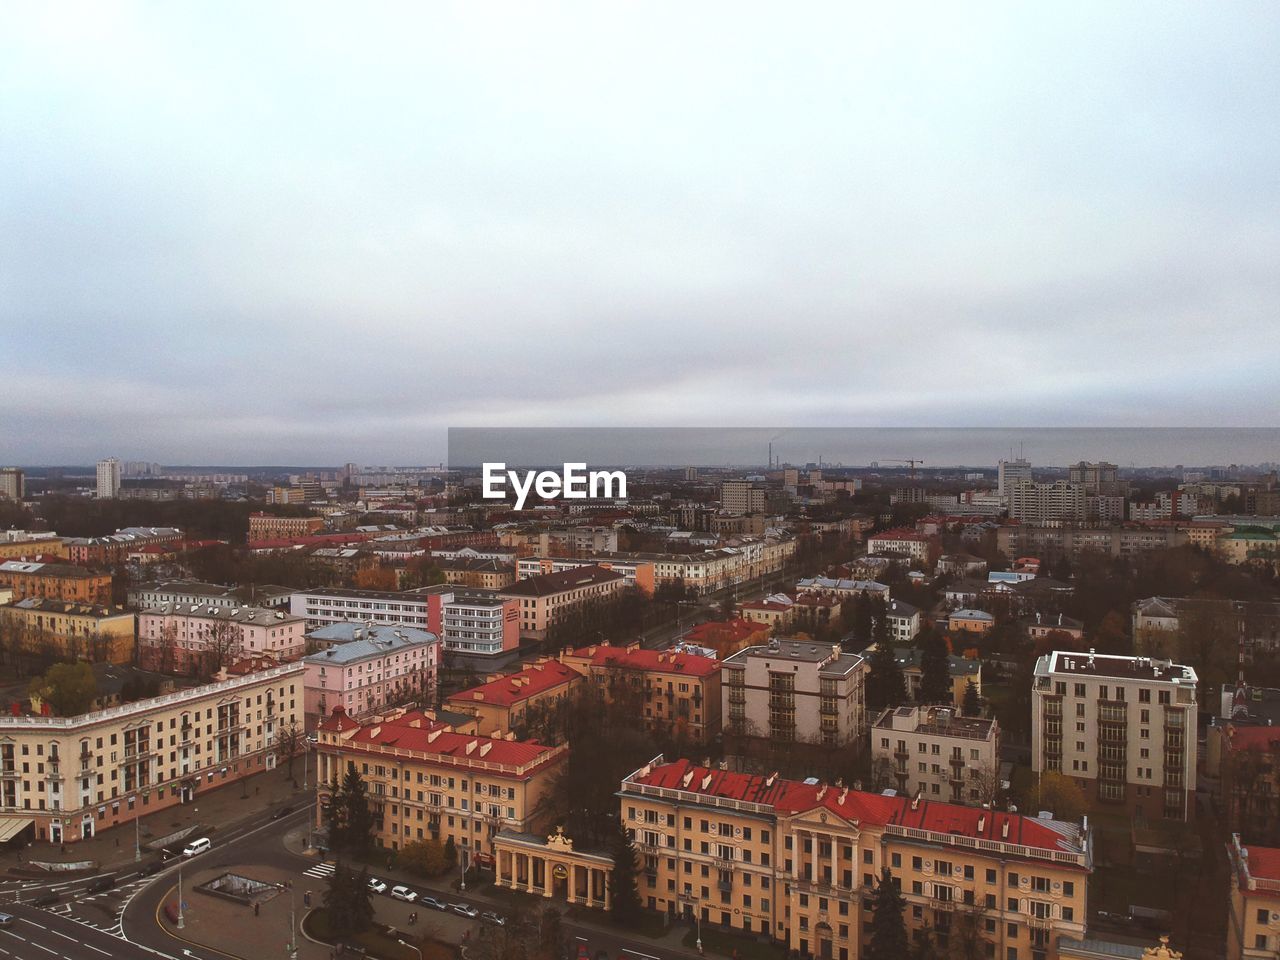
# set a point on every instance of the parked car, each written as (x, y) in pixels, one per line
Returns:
(429, 901)
(6, 920)
(401, 892)
(377, 886)
(496, 919)
(466, 910)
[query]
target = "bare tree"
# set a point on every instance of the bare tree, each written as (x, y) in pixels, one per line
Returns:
(288, 743)
(223, 643)
(167, 646)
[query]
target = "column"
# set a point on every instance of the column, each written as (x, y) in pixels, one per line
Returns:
(548, 879)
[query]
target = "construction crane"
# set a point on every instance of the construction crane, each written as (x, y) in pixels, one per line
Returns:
(911, 462)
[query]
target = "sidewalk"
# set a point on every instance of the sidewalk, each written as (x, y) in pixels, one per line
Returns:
(213, 808)
(669, 943)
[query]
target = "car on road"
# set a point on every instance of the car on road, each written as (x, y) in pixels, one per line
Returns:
(282, 812)
(197, 847)
(401, 892)
(494, 918)
(466, 910)
(377, 886)
(46, 899)
(428, 901)
(6, 920)
(98, 884)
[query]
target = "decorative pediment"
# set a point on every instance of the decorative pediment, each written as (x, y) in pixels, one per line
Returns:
(558, 841)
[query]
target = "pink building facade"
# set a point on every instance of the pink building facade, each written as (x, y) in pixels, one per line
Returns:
(372, 668)
(180, 637)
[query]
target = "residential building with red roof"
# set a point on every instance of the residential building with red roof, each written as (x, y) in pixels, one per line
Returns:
(427, 781)
(796, 860)
(902, 541)
(677, 693)
(500, 704)
(727, 637)
(1253, 918)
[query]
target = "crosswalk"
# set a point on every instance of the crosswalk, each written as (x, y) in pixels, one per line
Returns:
(320, 871)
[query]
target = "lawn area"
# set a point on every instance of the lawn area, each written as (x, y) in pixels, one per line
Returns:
(718, 941)
(316, 924)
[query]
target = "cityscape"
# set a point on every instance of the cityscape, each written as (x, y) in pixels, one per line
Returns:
(563, 481)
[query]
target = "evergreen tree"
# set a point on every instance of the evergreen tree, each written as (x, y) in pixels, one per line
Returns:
(935, 675)
(357, 819)
(623, 894)
(886, 686)
(335, 817)
(347, 902)
(888, 931)
(361, 900)
(880, 632)
(972, 702)
(451, 851)
(551, 944)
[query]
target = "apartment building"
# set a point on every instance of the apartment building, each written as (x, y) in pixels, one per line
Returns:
(371, 669)
(107, 478)
(115, 548)
(936, 753)
(842, 587)
(55, 581)
(69, 777)
(31, 545)
(635, 573)
(499, 705)
(471, 622)
(179, 637)
(1009, 473)
(481, 574)
(976, 622)
(194, 592)
(674, 692)
(547, 599)
(1033, 502)
(12, 484)
(962, 671)
(263, 526)
(1096, 478)
(1253, 906)
(70, 631)
(904, 621)
(750, 496)
(1124, 728)
(1070, 540)
(794, 690)
(796, 861)
(429, 782)
(907, 543)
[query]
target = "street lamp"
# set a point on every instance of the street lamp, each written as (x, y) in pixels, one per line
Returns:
(411, 946)
(462, 865)
(181, 922)
(137, 840)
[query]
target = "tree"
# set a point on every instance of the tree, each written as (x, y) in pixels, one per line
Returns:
(551, 941)
(972, 700)
(1060, 795)
(450, 851)
(888, 931)
(967, 940)
(357, 818)
(880, 632)
(288, 742)
(375, 576)
(223, 645)
(167, 646)
(935, 671)
(1111, 636)
(623, 893)
(862, 619)
(347, 902)
(68, 688)
(886, 686)
(427, 858)
(728, 607)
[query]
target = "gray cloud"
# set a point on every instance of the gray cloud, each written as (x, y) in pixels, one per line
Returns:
(309, 234)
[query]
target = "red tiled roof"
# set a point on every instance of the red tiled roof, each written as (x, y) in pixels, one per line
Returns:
(413, 732)
(311, 540)
(764, 605)
(1264, 863)
(529, 682)
(660, 661)
(792, 796)
(899, 535)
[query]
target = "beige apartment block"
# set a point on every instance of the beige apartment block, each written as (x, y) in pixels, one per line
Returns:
(68, 777)
(935, 753)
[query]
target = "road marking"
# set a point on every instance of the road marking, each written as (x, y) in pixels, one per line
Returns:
(44, 948)
(33, 923)
(637, 953)
(16, 936)
(95, 949)
(65, 936)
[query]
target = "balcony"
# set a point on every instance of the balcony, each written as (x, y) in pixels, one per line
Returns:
(1053, 708)
(1040, 923)
(902, 753)
(1112, 714)
(724, 886)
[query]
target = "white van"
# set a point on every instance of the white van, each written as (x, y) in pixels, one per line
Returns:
(196, 846)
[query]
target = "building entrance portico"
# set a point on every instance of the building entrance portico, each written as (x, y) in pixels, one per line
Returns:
(551, 868)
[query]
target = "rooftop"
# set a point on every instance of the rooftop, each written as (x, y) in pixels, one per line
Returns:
(364, 642)
(251, 616)
(791, 797)
(46, 605)
(802, 650)
(548, 584)
(533, 680)
(655, 661)
(61, 570)
(1110, 665)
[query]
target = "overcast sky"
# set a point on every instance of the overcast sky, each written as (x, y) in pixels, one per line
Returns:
(248, 233)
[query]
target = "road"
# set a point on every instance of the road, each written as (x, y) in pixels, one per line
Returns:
(37, 935)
